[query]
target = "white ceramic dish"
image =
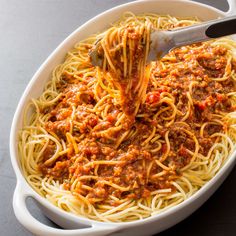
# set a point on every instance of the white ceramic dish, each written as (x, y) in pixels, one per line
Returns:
(75, 225)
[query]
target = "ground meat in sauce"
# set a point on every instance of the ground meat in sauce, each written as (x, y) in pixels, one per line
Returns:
(199, 64)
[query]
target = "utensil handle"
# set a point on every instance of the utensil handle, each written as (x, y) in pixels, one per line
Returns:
(204, 31)
(226, 26)
(38, 228)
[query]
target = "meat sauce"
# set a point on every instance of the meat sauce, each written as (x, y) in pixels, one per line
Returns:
(122, 80)
(189, 70)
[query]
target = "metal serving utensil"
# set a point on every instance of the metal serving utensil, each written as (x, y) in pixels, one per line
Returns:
(163, 42)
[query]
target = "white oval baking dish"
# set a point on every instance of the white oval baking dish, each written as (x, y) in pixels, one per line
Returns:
(75, 225)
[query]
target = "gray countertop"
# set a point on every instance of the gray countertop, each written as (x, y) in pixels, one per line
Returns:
(29, 31)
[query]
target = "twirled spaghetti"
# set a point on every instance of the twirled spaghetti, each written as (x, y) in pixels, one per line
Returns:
(127, 141)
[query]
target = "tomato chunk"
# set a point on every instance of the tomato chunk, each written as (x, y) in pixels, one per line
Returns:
(153, 97)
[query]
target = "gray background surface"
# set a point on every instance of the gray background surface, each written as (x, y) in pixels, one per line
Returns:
(29, 31)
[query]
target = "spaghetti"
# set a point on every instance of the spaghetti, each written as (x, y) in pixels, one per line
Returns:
(127, 141)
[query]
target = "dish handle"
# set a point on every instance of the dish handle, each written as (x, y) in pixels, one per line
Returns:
(232, 7)
(29, 222)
